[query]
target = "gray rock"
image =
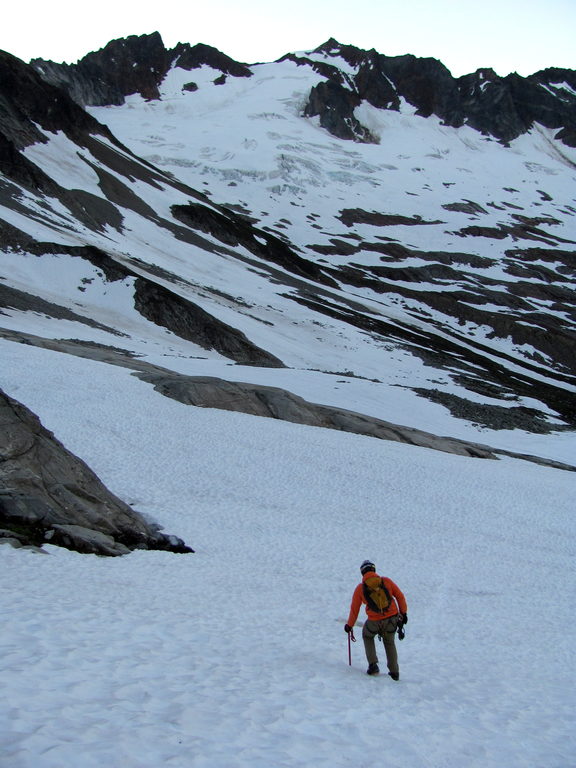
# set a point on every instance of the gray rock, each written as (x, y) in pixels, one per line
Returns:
(44, 487)
(86, 540)
(18, 541)
(276, 403)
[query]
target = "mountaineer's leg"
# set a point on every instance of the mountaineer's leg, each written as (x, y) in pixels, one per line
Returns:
(388, 634)
(369, 632)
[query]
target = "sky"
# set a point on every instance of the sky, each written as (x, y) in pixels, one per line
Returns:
(507, 35)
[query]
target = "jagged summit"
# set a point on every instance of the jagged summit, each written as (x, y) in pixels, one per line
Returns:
(503, 107)
(136, 64)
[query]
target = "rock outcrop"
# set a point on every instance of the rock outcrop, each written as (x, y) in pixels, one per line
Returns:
(502, 107)
(27, 101)
(189, 321)
(49, 495)
(190, 57)
(334, 105)
(136, 64)
(234, 230)
(276, 403)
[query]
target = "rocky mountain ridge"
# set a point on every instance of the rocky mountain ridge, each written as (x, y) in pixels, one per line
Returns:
(137, 64)
(502, 107)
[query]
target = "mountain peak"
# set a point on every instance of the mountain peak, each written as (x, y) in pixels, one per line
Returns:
(193, 57)
(328, 46)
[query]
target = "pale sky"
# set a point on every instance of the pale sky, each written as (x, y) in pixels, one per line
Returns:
(507, 35)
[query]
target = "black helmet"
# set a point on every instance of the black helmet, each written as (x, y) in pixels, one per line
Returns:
(366, 566)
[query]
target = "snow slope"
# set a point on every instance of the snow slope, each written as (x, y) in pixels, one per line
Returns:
(235, 656)
(242, 291)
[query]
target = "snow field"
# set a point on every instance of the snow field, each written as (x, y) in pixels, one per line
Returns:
(236, 656)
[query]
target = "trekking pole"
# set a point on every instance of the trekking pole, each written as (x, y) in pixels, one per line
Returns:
(351, 639)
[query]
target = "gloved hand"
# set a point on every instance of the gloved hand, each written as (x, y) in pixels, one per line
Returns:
(404, 618)
(347, 628)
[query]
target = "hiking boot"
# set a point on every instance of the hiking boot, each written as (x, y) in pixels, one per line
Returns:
(394, 675)
(373, 669)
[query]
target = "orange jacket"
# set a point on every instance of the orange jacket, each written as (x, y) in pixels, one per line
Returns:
(399, 601)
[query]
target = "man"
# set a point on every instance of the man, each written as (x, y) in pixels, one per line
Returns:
(386, 610)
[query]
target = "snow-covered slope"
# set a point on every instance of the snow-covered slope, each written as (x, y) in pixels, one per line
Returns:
(431, 271)
(236, 656)
(190, 219)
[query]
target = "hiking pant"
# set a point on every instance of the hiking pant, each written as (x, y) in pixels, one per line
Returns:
(386, 628)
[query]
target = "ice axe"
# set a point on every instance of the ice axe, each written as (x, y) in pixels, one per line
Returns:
(351, 639)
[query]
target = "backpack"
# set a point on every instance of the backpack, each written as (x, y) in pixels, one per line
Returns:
(376, 595)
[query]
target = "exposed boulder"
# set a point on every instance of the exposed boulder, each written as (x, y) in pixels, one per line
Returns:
(48, 494)
(85, 540)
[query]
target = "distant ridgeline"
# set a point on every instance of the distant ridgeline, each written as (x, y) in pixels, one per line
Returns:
(503, 107)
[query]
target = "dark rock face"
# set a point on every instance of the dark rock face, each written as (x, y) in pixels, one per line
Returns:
(26, 100)
(351, 216)
(19, 169)
(489, 105)
(27, 103)
(48, 494)
(329, 71)
(503, 107)
(376, 87)
(553, 79)
(189, 321)
(12, 298)
(425, 83)
(335, 106)
(537, 100)
(233, 230)
(136, 64)
(193, 57)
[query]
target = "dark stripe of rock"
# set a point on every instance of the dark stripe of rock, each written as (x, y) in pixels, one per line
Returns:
(276, 403)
